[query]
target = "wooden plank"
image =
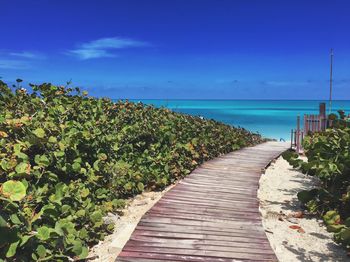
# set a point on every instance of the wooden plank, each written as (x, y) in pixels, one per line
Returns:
(205, 253)
(225, 199)
(178, 236)
(204, 231)
(130, 256)
(181, 222)
(201, 245)
(202, 217)
(211, 215)
(185, 203)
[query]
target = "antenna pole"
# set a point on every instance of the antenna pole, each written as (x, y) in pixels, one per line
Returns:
(331, 83)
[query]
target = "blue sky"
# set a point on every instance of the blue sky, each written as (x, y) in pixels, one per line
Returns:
(178, 49)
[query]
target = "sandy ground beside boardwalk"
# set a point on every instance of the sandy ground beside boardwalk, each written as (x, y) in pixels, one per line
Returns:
(280, 210)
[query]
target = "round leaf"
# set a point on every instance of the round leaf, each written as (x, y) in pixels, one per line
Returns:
(14, 190)
(39, 132)
(43, 233)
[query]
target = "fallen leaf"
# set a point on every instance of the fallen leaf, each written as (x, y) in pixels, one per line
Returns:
(294, 227)
(300, 230)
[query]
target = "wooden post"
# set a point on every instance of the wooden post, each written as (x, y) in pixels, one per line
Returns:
(311, 123)
(319, 123)
(298, 134)
(302, 136)
(291, 139)
(322, 112)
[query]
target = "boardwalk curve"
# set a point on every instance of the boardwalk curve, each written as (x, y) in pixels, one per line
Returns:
(211, 215)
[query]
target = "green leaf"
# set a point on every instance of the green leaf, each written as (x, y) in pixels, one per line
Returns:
(39, 132)
(84, 192)
(76, 167)
(23, 168)
(59, 154)
(77, 247)
(83, 234)
(128, 186)
(80, 213)
(4, 164)
(345, 235)
(41, 251)
(11, 251)
(14, 190)
(42, 160)
(335, 228)
(22, 156)
(102, 157)
(96, 216)
(52, 140)
(96, 165)
(84, 252)
(140, 186)
(15, 220)
(65, 208)
(331, 217)
(347, 222)
(24, 239)
(17, 148)
(43, 233)
(3, 222)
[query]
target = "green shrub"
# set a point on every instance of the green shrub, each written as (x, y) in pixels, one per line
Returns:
(67, 159)
(328, 156)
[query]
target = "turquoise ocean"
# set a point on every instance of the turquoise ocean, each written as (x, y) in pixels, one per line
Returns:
(271, 118)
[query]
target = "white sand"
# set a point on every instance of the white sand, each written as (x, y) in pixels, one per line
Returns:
(109, 249)
(279, 203)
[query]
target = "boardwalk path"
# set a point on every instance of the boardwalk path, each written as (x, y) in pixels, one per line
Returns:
(211, 215)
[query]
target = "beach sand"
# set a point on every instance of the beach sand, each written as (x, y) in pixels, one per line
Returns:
(280, 209)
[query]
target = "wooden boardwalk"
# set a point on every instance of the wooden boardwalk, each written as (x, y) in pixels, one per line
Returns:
(211, 215)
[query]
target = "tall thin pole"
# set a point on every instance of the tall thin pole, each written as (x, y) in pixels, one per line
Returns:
(331, 83)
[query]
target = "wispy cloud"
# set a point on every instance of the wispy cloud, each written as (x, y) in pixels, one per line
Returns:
(19, 60)
(13, 64)
(104, 47)
(85, 54)
(285, 83)
(27, 55)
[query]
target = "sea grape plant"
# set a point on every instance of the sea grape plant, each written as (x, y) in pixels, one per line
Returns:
(328, 155)
(67, 159)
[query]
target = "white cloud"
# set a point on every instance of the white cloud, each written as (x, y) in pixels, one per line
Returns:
(113, 43)
(285, 83)
(27, 54)
(90, 53)
(102, 47)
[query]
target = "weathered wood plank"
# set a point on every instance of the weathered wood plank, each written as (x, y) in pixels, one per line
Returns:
(205, 253)
(179, 236)
(211, 215)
